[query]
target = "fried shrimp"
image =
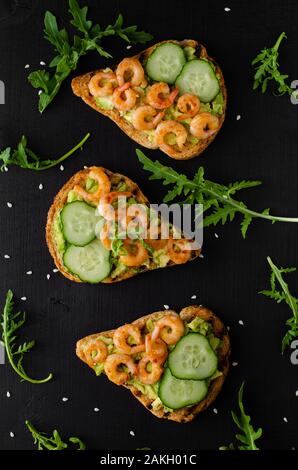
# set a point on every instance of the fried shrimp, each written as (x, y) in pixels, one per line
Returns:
(204, 125)
(130, 70)
(119, 368)
(149, 372)
(106, 235)
(167, 128)
(124, 97)
(104, 185)
(125, 332)
(169, 328)
(179, 250)
(96, 352)
(109, 203)
(102, 84)
(136, 253)
(156, 350)
(189, 105)
(146, 118)
(160, 96)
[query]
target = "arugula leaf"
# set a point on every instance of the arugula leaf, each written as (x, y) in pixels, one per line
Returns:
(11, 322)
(26, 158)
(70, 50)
(248, 435)
(267, 69)
(283, 296)
(53, 442)
(215, 198)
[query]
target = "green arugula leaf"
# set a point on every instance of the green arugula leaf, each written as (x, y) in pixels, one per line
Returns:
(267, 69)
(283, 296)
(26, 158)
(79, 15)
(248, 435)
(11, 322)
(218, 205)
(53, 442)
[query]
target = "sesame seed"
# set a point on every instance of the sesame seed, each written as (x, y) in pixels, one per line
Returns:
(85, 167)
(6, 256)
(241, 322)
(296, 393)
(40, 92)
(40, 186)
(27, 66)
(11, 434)
(228, 328)
(55, 270)
(61, 167)
(238, 117)
(96, 410)
(29, 273)
(131, 433)
(8, 394)
(201, 255)
(42, 62)
(48, 276)
(234, 364)
(23, 298)
(5, 168)
(285, 419)
(64, 399)
(193, 296)
(166, 307)
(9, 205)
(129, 46)
(216, 235)
(227, 9)
(215, 411)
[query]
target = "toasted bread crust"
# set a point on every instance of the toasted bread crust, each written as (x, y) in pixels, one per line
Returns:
(80, 89)
(186, 414)
(60, 201)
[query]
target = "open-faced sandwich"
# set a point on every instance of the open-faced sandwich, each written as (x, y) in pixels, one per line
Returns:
(98, 230)
(171, 96)
(175, 365)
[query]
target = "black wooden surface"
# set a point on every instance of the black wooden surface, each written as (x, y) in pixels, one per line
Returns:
(261, 145)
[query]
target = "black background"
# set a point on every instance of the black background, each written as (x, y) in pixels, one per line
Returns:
(261, 145)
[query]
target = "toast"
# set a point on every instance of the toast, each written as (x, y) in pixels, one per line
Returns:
(58, 246)
(192, 147)
(187, 315)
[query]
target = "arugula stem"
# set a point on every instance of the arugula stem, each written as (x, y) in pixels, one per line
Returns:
(278, 42)
(66, 155)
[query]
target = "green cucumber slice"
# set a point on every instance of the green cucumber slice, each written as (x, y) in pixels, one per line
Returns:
(198, 78)
(175, 393)
(91, 263)
(165, 63)
(78, 223)
(193, 358)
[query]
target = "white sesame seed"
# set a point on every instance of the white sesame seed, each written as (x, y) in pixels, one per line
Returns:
(8, 394)
(215, 411)
(9, 204)
(216, 235)
(166, 307)
(40, 186)
(64, 399)
(96, 410)
(48, 276)
(296, 393)
(42, 62)
(55, 270)
(85, 167)
(234, 364)
(29, 273)
(24, 298)
(131, 433)
(238, 117)
(201, 255)
(228, 328)
(5, 168)
(241, 322)
(227, 9)
(61, 167)
(27, 66)
(193, 296)
(40, 92)
(285, 419)
(129, 46)
(6, 256)
(11, 434)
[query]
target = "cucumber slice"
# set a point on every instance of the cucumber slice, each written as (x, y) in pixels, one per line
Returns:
(165, 63)
(91, 262)
(78, 223)
(193, 358)
(198, 78)
(176, 393)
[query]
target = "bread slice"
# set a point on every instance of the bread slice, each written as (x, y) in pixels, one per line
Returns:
(80, 89)
(60, 201)
(186, 414)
